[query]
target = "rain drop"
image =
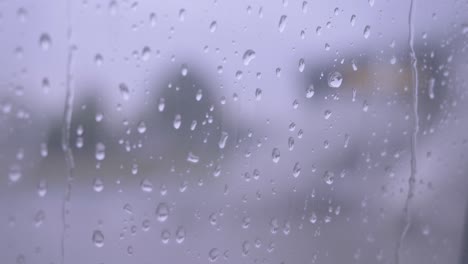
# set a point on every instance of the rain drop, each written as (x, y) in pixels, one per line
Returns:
(335, 79)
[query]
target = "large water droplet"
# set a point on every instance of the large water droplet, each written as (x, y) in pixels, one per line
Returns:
(213, 26)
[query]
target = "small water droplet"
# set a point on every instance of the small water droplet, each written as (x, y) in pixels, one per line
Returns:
(353, 20)
(310, 91)
(15, 173)
(180, 234)
(192, 158)
(213, 26)
(275, 155)
(223, 139)
(146, 185)
(431, 88)
(328, 177)
(335, 79)
(98, 185)
(45, 41)
(146, 53)
(100, 151)
(296, 170)
(162, 212)
(177, 121)
(184, 70)
(182, 15)
(248, 56)
(213, 254)
(165, 235)
(282, 23)
(327, 114)
(367, 31)
(98, 238)
(161, 104)
(42, 188)
(98, 59)
(124, 91)
(301, 65)
(141, 127)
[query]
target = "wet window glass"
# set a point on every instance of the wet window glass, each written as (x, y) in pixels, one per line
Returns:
(250, 131)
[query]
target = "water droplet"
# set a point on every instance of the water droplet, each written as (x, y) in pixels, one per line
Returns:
(182, 15)
(310, 91)
(124, 91)
(313, 218)
(290, 143)
(98, 59)
(39, 218)
(22, 14)
(177, 121)
(100, 151)
(282, 23)
(146, 53)
(42, 188)
(98, 185)
(180, 234)
(371, 2)
(223, 139)
(327, 114)
(44, 150)
(141, 127)
(213, 254)
(153, 19)
(431, 88)
(15, 173)
(393, 60)
(146, 185)
(248, 56)
(258, 94)
(184, 70)
(275, 155)
(335, 79)
(45, 41)
(161, 104)
(162, 212)
(296, 170)
(245, 248)
(353, 20)
(367, 31)
(165, 235)
(213, 26)
(301, 65)
(192, 158)
(365, 106)
(98, 238)
(328, 177)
